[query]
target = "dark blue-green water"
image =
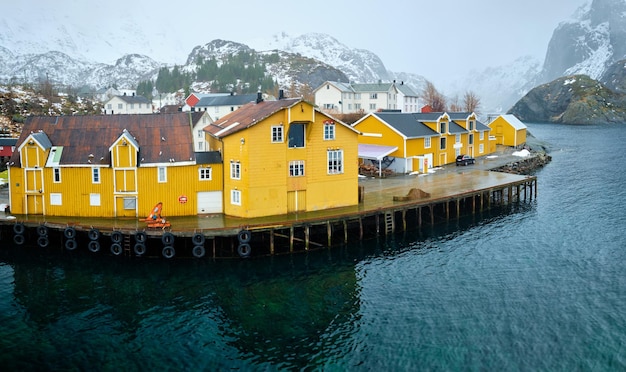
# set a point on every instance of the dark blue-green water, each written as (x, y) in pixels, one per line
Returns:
(541, 287)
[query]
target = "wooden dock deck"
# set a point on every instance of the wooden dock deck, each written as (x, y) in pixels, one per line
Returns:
(448, 193)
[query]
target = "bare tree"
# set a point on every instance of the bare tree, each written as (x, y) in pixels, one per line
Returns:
(455, 105)
(433, 98)
(471, 102)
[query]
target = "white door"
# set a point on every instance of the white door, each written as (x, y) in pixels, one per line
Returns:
(210, 202)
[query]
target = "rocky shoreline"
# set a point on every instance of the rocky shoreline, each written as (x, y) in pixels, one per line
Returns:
(526, 166)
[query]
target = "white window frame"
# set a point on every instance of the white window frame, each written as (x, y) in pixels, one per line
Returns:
(95, 175)
(277, 134)
(334, 161)
(296, 168)
(235, 170)
(481, 148)
(56, 175)
(235, 197)
(481, 135)
(56, 198)
(329, 131)
(205, 173)
(161, 174)
(94, 200)
(427, 142)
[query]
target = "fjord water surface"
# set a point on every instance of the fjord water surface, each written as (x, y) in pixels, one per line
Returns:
(540, 286)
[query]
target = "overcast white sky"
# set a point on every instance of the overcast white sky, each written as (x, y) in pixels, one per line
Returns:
(429, 38)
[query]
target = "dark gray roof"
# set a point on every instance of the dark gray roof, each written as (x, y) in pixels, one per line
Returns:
(407, 124)
(428, 116)
(454, 128)
(459, 115)
(211, 157)
(406, 90)
(481, 127)
(134, 99)
(8, 141)
(234, 100)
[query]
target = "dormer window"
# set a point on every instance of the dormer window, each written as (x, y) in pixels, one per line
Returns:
(442, 127)
(296, 135)
(471, 125)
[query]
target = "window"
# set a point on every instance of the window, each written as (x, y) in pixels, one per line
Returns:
(132, 106)
(427, 142)
(442, 143)
(296, 168)
(94, 200)
(296, 135)
(373, 95)
(481, 148)
(120, 106)
(471, 125)
(328, 106)
(56, 175)
(200, 146)
(481, 136)
(335, 161)
(458, 138)
(55, 199)
(235, 170)
(235, 197)
(327, 86)
(372, 106)
(95, 175)
(204, 174)
(110, 106)
(162, 174)
(130, 203)
(277, 134)
(200, 134)
(329, 130)
(357, 106)
(357, 95)
(471, 139)
(442, 127)
(140, 105)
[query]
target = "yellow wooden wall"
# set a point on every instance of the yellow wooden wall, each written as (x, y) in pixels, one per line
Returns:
(371, 124)
(265, 184)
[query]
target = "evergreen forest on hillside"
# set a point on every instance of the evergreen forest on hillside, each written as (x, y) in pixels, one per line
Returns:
(241, 73)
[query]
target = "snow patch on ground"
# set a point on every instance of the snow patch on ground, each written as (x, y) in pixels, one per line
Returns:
(522, 153)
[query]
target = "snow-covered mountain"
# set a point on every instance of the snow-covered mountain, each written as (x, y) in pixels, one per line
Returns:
(589, 43)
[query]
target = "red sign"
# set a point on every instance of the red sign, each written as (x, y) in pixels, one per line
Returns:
(182, 199)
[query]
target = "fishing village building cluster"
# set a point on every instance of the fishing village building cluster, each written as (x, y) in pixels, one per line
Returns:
(259, 157)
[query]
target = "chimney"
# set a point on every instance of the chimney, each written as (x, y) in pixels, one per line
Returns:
(281, 94)
(259, 97)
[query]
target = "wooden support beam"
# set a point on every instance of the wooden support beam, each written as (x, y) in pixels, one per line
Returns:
(307, 232)
(404, 220)
(291, 238)
(360, 228)
(329, 231)
(345, 231)
(419, 216)
(272, 242)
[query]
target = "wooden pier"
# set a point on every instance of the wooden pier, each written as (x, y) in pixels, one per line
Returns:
(387, 206)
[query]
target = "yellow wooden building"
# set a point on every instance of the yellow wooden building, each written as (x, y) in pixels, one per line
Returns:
(414, 142)
(114, 166)
(285, 156)
(508, 130)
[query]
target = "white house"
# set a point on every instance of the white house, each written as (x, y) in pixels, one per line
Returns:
(344, 98)
(126, 104)
(221, 105)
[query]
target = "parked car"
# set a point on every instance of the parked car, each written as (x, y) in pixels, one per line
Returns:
(464, 160)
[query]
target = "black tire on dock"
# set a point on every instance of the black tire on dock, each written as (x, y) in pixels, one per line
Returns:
(244, 236)
(69, 232)
(244, 250)
(168, 251)
(116, 249)
(42, 230)
(43, 241)
(198, 239)
(198, 251)
(94, 234)
(140, 237)
(19, 239)
(116, 237)
(18, 228)
(93, 246)
(139, 249)
(167, 238)
(70, 244)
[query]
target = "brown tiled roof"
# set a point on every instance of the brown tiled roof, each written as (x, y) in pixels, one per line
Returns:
(248, 115)
(161, 137)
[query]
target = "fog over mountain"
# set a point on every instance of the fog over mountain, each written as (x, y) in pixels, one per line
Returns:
(588, 43)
